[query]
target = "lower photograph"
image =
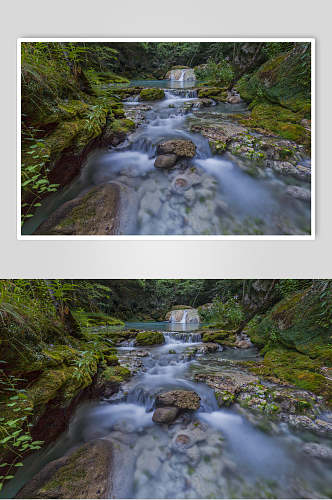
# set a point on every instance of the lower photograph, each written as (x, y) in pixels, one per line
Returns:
(166, 388)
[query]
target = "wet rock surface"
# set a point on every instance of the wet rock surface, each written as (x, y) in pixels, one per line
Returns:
(105, 209)
(184, 400)
(84, 473)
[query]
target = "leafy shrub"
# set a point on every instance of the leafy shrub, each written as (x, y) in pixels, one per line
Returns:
(226, 314)
(220, 72)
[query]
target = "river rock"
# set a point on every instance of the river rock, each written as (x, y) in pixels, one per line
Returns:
(184, 400)
(318, 451)
(230, 381)
(165, 161)
(179, 147)
(84, 473)
(299, 193)
(208, 347)
(165, 415)
(107, 209)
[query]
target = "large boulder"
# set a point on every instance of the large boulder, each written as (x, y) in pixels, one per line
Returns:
(149, 338)
(181, 399)
(151, 94)
(165, 415)
(84, 473)
(107, 209)
(184, 316)
(165, 161)
(180, 147)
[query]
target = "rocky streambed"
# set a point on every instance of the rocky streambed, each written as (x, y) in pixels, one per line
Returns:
(191, 422)
(192, 167)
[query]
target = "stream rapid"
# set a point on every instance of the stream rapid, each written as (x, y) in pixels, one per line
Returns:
(232, 457)
(223, 198)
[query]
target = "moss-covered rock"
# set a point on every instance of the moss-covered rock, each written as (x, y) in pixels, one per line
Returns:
(222, 337)
(149, 338)
(153, 94)
(84, 473)
(116, 374)
(215, 93)
(102, 210)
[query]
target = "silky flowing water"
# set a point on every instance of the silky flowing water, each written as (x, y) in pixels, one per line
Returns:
(232, 457)
(224, 199)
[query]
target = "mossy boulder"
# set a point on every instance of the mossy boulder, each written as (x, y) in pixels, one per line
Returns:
(216, 93)
(84, 473)
(221, 337)
(153, 94)
(149, 338)
(116, 374)
(100, 211)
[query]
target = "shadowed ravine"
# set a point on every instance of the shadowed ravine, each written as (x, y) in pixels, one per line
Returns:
(234, 454)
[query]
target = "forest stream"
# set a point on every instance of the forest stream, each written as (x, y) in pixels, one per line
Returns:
(209, 453)
(211, 194)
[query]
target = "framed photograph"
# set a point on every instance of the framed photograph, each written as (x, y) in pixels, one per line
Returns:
(166, 388)
(191, 138)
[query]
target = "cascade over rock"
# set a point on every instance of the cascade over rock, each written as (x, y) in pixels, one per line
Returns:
(184, 316)
(181, 75)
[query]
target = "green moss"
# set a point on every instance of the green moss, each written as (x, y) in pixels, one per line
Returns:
(150, 338)
(221, 337)
(90, 319)
(224, 398)
(122, 126)
(215, 93)
(111, 360)
(153, 94)
(116, 374)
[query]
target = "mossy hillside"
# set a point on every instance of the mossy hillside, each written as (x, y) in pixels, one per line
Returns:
(287, 366)
(149, 338)
(284, 80)
(296, 343)
(91, 319)
(153, 94)
(279, 93)
(272, 118)
(296, 322)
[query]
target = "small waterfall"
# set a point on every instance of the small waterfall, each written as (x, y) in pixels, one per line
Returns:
(133, 98)
(183, 338)
(184, 317)
(181, 75)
